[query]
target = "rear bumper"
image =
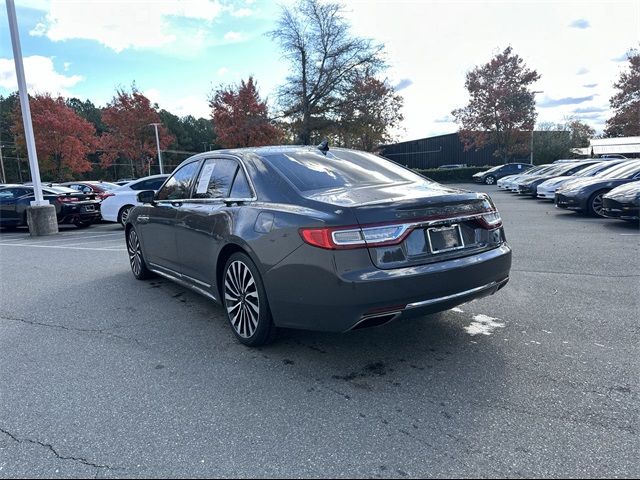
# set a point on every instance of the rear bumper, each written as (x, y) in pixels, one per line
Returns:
(312, 297)
(79, 213)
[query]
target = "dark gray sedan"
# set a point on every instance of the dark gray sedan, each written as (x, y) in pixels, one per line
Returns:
(302, 237)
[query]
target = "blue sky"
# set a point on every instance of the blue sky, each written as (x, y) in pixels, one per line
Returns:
(177, 51)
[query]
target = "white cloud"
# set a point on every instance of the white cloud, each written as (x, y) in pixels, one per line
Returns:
(222, 71)
(233, 36)
(242, 12)
(66, 66)
(196, 105)
(437, 58)
(40, 74)
(122, 25)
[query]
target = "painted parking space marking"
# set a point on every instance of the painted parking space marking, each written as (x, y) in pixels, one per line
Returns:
(483, 325)
(61, 247)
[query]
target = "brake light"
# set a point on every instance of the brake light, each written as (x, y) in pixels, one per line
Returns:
(491, 220)
(66, 199)
(344, 238)
(104, 195)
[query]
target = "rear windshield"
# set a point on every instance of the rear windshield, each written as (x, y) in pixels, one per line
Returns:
(311, 170)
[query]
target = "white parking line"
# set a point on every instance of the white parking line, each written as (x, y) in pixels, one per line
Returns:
(65, 238)
(64, 248)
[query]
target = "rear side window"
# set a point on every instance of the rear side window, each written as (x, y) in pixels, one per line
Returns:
(178, 187)
(311, 170)
(240, 188)
(216, 178)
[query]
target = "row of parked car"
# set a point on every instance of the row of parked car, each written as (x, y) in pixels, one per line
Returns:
(603, 187)
(81, 203)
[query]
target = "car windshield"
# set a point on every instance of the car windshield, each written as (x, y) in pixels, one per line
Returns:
(540, 169)
(624, 171)
(312, 170)
(106, 185)
(597, 168)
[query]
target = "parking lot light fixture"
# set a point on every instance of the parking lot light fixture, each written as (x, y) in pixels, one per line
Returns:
(532, 130)
(155, 125)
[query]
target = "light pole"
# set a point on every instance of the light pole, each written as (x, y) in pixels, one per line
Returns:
(532, 129)
(155, 125)
(41, 215)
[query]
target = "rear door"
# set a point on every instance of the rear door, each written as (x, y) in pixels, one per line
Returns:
(205, 221)
(156, 224)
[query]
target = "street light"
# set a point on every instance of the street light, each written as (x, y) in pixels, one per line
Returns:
(532, 129)
(155, 125)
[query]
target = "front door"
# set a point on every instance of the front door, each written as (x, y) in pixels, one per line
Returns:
(156, 224)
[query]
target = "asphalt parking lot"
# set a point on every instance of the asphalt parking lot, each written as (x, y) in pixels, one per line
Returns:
(105, 376)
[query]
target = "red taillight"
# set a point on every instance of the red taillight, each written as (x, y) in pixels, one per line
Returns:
(104, 195)
(66, 199)
(318, 237)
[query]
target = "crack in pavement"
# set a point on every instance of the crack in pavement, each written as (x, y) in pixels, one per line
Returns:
(99, 331)
(49, 447)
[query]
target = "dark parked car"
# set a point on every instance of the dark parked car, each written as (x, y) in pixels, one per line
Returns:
(452, 166)
(529, 185)
(71, 207)
(301, 237)
(494, 174)
(623, 202)
(586, 195)
(100, 189)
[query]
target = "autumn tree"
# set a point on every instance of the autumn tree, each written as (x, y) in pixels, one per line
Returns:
(501, 109)
(240, 117)
(63, 139)
(129, 134)
(625, 103)
(369, 115)
(325, 59)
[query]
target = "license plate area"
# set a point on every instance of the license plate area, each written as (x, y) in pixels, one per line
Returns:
(445, 239)
(89, 208)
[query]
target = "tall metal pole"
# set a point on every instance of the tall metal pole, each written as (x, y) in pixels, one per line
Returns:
(533, 129)
(24, 104)
(4, 175)
(158, 145)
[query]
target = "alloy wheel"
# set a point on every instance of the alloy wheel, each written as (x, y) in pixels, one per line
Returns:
(124, 215)
(489, 180)
(596, 205)
(241, 299)
(135, 253)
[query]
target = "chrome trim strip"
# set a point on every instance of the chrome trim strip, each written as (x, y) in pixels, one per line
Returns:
(179, 278)
(425, 303)
(393, 314)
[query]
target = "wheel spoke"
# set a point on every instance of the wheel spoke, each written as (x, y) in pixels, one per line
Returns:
(241, 299)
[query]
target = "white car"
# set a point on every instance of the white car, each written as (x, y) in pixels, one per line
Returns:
(547, 190)
(508, 182)
(116, 206)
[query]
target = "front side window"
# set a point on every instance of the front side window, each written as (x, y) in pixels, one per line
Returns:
(216, 178)
(178, 187)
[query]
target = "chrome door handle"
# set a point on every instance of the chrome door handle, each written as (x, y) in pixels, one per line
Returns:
(143, 218)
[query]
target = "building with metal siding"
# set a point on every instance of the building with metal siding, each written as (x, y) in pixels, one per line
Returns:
(448, 149)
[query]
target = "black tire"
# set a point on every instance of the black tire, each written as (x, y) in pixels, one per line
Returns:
(594, 205)
(123, 214)
(83, 224)
(245, 302)
(136, 258)
(490, 180)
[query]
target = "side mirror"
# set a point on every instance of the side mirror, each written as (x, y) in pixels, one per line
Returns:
(147, 196)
